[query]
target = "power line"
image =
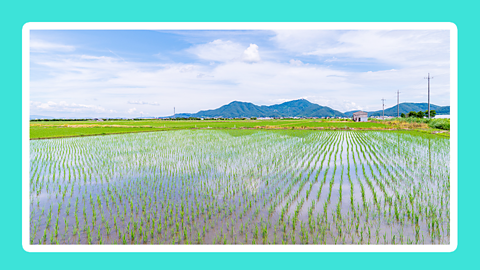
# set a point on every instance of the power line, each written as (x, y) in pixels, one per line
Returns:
(428, 78)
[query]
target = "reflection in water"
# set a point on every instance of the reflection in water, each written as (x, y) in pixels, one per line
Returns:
(430, 157)
(205, 187)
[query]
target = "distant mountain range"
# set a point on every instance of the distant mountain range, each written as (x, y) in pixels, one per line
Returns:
(301, 108)
(295, 108)
(406, 108)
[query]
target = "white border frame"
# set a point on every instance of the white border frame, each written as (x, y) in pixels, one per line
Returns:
(238, 26)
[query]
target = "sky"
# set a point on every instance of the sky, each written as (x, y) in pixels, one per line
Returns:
(135, 73)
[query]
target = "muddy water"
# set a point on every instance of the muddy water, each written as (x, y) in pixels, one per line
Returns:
(130, 189)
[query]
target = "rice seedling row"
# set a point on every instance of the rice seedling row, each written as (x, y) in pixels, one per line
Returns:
(214, 187)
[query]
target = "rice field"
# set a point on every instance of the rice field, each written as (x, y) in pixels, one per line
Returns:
(241, 187)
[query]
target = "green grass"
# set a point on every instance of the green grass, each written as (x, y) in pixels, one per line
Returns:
(338, 125)
(58, 129)
(58, 132)
(205, 124)
(435, 123)
(160, 123)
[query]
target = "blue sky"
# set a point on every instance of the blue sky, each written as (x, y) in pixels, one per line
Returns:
(132, 73)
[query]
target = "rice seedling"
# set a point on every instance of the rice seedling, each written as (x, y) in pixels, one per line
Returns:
(218, 187)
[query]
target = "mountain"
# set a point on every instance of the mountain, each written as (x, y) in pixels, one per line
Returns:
(406, 108)
(295, 108)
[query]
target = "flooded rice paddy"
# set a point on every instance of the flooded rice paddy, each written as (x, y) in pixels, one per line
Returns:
(241, 187)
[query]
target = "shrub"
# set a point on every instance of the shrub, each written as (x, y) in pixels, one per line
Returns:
(442, 123)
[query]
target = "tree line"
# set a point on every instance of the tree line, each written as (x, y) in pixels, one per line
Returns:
(419, 114)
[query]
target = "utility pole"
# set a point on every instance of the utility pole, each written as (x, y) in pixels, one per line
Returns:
(174, 112)
(428, 78)
(398, 103)
(383, 102)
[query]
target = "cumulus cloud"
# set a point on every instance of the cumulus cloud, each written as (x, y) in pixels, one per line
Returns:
(217, 50)
(237, 80)
(251, 54)
(194, 86)
(294, 62)
(224, 51)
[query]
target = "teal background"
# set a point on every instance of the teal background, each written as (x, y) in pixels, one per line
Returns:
(15, 14)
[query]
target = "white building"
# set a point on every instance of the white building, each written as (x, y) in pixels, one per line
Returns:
(360, 116)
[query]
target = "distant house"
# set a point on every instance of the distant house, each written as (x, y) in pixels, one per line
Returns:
(360, 116)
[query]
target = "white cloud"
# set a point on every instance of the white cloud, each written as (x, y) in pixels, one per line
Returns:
(302, 41)
(63, 106)
(333, 59)
(44, 46)
(217, 50)
(116, 83)
(339, 104)
(402, 47)
(197, 86)
(224, 51)
(91, 57)
(143, 102)
(137, 102)
(203, 75)
(251, 54)
(294, 62)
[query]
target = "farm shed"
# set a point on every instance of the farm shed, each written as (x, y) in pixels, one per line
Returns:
(360, 116)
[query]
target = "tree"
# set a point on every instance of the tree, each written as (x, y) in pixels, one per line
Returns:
(412, 114)
(432, 113)
(420, 114)
(402, 115)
